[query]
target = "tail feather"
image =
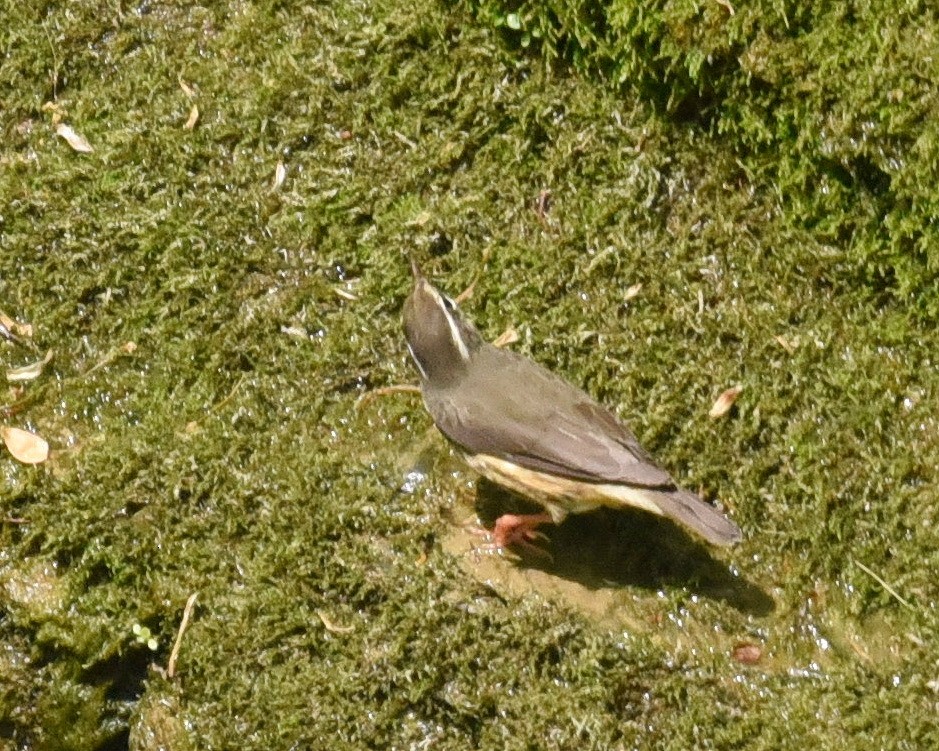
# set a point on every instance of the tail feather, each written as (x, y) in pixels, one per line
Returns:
(688, 509)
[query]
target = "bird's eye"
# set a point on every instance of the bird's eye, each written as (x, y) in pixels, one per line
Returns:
(448, 303)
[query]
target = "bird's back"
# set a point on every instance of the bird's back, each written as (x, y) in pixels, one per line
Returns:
(513, 408)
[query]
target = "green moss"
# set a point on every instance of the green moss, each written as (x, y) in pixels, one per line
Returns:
(828, 103)
(212, 336)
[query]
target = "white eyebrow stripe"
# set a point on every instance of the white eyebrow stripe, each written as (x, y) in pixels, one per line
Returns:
(417, 362)
(454, 331)
(455, 335)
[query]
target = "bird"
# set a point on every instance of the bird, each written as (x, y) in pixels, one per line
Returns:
(530, 431)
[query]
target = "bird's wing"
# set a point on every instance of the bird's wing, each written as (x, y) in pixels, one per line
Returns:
(517, 410)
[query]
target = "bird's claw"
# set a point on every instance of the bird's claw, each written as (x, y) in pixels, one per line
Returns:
(512, 531)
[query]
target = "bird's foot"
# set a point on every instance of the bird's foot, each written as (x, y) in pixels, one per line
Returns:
(520, 530)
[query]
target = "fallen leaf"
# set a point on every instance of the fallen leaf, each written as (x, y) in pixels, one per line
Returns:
(22, 329)
(787, 343)
(507, 337)
(747, 653)
(58, 113)
(724, 402)
(193, 118)
(187, 89)
(633, 291)
(332, 625)
(543, 204)
(74, 139)
(345, 294)
(280, 174)
(29, 372)
(129, 347)
(727, 5)
(467, 293)
(26, 447)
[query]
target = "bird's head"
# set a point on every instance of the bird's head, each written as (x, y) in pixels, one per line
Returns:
(439, 340)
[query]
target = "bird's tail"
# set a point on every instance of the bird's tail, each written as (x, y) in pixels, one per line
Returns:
(688, 509)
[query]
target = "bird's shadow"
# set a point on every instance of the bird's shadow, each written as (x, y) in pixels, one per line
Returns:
(627, 547)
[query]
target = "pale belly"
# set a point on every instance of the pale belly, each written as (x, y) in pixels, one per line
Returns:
(561, 495)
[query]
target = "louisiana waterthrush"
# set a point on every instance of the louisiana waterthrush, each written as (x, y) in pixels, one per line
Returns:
(528, 430)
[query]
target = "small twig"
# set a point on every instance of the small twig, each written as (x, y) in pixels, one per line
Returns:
(231, 394)
(183, 625)
(904, 602)
(55, 63)
(404, 139)
(543, 206)
(125, 349)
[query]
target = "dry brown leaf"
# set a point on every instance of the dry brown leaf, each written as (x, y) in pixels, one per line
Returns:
(57, 112)
(26, 447)
(332, 625)
(345, 294)
(193, 118)
(467, 293)
(787, 343)
(129, 347)
(74, 139)
(21, 329)
(543, 204)
(280, 174)
(727, 5)
(747, 653)
(29, 372)
(183, 624)
(507, 337)
(187, 89)
(724, 402)
(6, 333)
(632, 292)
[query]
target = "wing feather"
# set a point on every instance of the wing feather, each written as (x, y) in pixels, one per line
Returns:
(514, 409)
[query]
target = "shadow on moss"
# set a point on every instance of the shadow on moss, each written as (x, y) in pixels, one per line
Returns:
(628, 548)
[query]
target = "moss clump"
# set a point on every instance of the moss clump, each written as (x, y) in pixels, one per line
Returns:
(831, 103)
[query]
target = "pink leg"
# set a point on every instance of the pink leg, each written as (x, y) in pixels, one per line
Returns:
(519, 529)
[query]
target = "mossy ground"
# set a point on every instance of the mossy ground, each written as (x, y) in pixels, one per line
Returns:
(225, 454)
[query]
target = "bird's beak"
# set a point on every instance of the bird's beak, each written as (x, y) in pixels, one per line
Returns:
(416, 270)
